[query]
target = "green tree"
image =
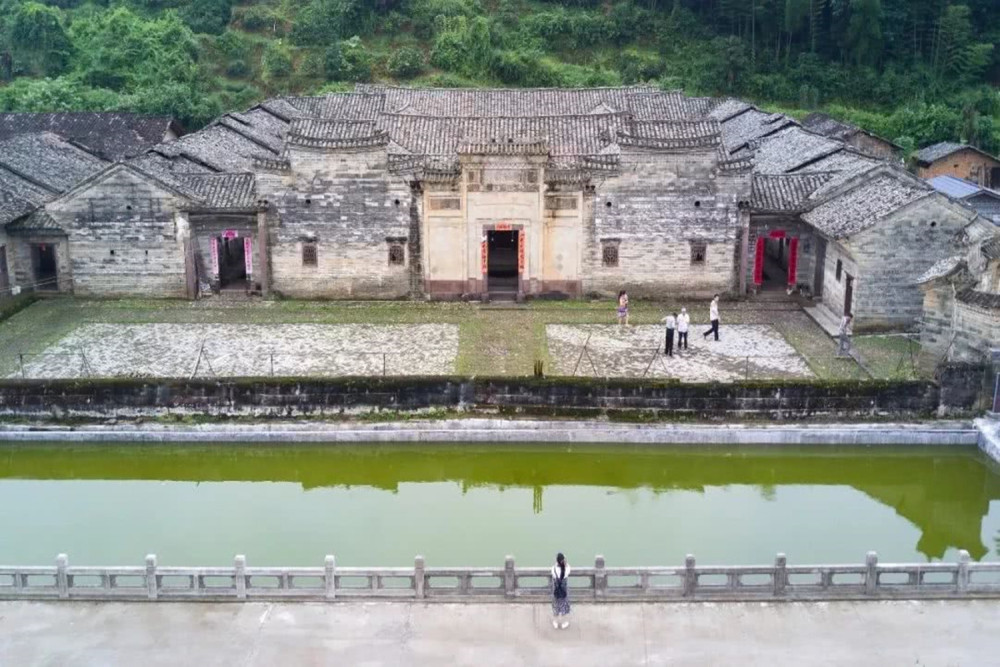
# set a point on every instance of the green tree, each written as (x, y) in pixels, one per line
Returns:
(864, 36)
(37, 38)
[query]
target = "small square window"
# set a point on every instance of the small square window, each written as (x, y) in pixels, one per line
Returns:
(699, 251)
(609, 253)
(309, 257)
(840, 269)
(397, 254)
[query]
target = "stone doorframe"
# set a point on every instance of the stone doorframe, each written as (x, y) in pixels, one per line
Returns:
(522, 250)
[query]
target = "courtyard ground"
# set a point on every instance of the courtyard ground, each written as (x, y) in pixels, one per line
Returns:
(417, 337)
(378, 633)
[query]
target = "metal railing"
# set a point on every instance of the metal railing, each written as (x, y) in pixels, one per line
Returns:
(780, 581)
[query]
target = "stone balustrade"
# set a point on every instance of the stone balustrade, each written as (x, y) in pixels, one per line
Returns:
(690, 582)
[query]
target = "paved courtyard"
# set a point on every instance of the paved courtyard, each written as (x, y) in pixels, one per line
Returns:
(754, 351)
(200, 633)
(206, 350)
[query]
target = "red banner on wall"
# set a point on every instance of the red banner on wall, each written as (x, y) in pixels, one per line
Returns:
(503, 227)
(520, 251)
(248, 255)
(215, 256)
(758, 262)
(484, 254)
(793, 261)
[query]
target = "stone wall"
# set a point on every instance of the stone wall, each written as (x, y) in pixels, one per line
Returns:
(655, 210)
(347, 204)
(19, 259)
(279, 398)
(124, 237)
(893, 253)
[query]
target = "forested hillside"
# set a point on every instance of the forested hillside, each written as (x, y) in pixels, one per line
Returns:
(915, 71)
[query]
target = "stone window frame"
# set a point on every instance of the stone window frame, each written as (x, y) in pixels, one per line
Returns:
(611, 253)
(397, 250)
(310, 253)
(699, 252)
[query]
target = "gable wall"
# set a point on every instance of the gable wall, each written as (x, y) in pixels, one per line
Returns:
(892, 254)
(132, 217)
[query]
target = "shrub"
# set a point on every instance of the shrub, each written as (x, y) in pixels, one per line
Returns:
(276, 62)
(406, 62)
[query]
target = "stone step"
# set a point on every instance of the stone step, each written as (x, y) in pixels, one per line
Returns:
(827, 320)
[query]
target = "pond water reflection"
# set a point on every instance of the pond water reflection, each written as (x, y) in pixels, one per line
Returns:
(472, 505)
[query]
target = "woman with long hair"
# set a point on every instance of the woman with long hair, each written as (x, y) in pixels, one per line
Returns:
(560, 593)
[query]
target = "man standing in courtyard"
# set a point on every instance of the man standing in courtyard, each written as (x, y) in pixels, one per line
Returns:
(683, 322)
(845, 331)
(713, 316)
(668, 345)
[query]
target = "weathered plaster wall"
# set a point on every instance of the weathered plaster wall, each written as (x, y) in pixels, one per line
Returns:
(656, 208)
(123, 236)
(348, 204)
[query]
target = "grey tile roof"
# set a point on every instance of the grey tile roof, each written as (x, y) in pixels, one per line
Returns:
(112, 135)
(843, 165)
(937, 151)
(37, 221)
(441, 136)
(974, 297)
(790, 148)
(991, 248)
(672, 105)
(750, 126)
(19, 197)
(48, 160)
(861, 208)
(940, 269)
(222, 191)
(219, 147)
(727, 108)
(348, 106)
(828, 126)
(505, 102)
(786, 193)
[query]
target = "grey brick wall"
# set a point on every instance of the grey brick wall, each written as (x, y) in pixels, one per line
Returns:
(348, 204)
(123, 238)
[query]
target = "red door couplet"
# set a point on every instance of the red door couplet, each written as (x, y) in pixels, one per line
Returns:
(793, 261)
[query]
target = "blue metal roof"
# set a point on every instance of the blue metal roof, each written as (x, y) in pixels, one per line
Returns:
(956, 187)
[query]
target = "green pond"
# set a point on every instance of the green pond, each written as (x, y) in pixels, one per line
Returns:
(474, 504)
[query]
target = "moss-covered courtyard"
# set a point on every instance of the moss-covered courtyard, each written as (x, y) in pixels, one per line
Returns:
(493, 339)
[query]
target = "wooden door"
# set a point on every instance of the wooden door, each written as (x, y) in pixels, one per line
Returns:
(848, 294)
(820, 268)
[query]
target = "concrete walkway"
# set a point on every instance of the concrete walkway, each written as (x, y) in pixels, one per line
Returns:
(840, 633)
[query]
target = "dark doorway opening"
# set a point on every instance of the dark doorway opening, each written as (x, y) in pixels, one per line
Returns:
(232, 263)
(4, 276)
(820, 268)
(43, 258)
(502, 271)
(778, 262)
(848, 294)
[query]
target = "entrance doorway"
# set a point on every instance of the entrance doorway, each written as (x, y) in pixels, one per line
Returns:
(848, 293)
(43, 260)
(776, 260)
(232, 263)
(502, 270)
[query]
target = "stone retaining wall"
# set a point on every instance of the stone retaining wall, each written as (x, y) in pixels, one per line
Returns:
(567, 397)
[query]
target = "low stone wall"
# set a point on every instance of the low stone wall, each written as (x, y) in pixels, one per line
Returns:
(561, 397)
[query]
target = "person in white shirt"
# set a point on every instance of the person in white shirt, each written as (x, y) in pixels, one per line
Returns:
(683, 321)
(845, 331)
(560, 593)
(668, 345)
(713, 316)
